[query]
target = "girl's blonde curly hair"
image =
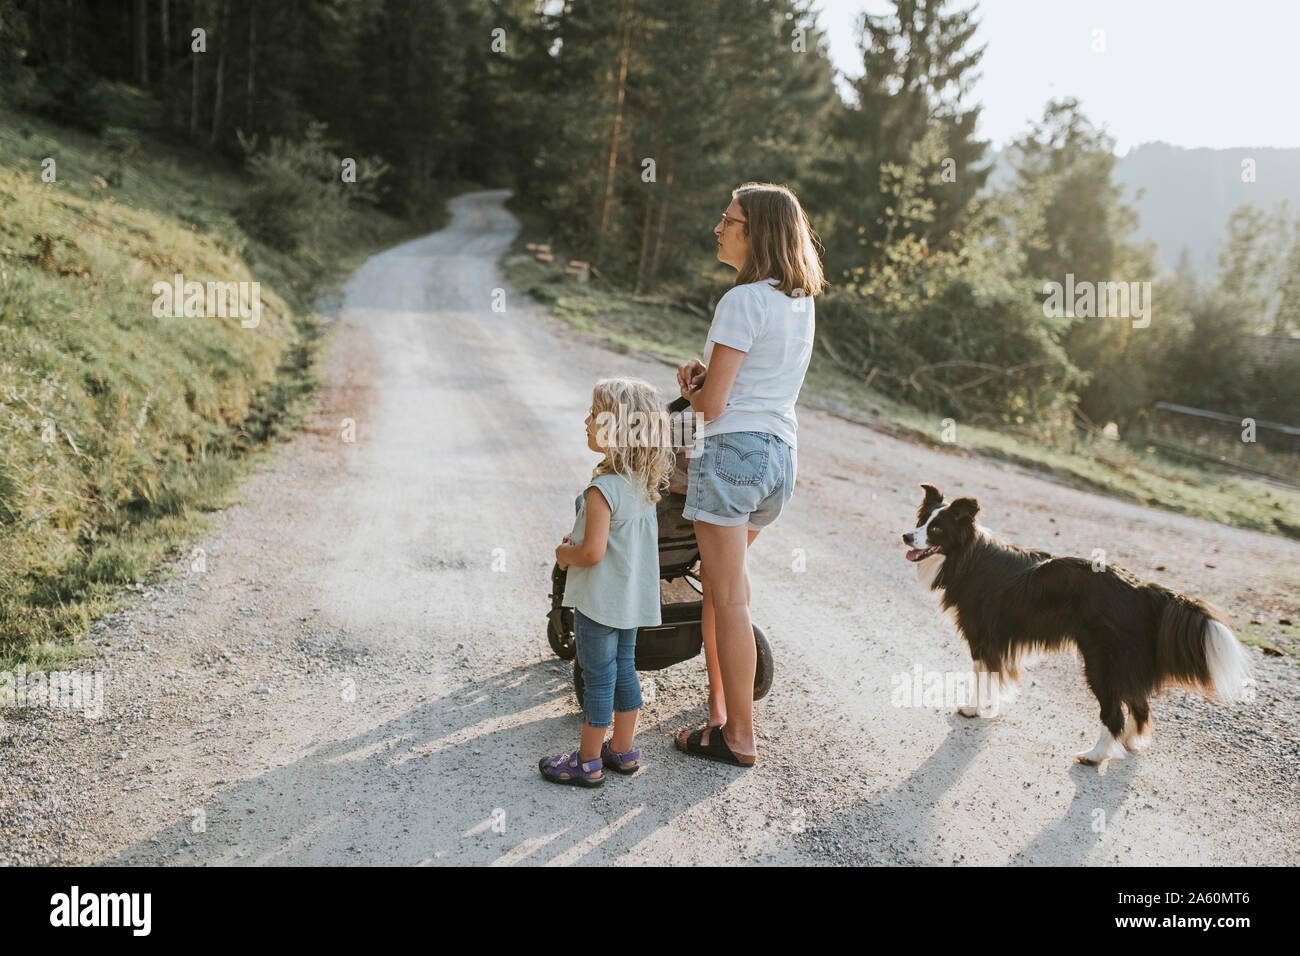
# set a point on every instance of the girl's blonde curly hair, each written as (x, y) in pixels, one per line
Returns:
(632, 426)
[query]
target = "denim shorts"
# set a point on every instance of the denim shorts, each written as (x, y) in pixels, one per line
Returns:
(739, 477)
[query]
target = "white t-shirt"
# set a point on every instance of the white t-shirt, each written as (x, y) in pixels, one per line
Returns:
(775, 331)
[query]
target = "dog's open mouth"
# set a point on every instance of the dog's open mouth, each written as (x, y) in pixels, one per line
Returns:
(919, 554)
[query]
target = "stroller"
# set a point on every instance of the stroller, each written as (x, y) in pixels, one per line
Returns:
(679, 637)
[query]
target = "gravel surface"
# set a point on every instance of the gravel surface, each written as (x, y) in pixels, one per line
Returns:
(357, 671)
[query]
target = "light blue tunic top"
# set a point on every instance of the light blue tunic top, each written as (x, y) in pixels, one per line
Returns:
(620, 590)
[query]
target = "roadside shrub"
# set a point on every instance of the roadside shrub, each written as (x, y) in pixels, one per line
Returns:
(984, 359)
(298, 192)
(70, 94)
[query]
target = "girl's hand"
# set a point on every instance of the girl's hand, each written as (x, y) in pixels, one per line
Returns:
(564, 565)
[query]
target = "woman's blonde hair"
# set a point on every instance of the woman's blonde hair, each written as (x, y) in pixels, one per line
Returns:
(782, 244)
(634, 425)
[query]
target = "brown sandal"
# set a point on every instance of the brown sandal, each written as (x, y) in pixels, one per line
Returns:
(715, 749)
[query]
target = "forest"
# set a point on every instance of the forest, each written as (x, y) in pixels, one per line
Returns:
(622, 125)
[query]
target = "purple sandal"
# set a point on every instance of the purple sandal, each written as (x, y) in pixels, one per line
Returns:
(569, 768)
(616, 761)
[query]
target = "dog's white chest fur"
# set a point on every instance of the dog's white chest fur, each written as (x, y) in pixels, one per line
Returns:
(927, 569)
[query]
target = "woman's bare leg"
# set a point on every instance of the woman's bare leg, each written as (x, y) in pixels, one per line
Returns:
(717, 699)
(722, 551)
(717, 704)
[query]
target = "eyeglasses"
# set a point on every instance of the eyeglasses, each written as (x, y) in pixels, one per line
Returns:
(728, 220)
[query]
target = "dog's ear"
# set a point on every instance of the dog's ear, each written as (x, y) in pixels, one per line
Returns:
(932, 498)
(964, 508)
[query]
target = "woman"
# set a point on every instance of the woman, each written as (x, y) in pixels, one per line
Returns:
(743, 470)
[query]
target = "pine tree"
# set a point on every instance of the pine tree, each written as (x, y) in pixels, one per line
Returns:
(917, 69)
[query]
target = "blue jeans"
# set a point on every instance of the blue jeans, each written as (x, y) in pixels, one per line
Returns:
(607, 656)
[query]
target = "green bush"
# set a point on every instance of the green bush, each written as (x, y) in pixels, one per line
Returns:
(298, 192)
(70, 94)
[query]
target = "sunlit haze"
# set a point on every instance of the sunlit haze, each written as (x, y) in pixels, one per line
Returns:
(1188, 72)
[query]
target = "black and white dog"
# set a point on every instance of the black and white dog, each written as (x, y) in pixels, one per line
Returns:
(1010, 603)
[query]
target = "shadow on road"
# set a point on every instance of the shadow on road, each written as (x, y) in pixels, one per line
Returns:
(451, 781)
(904, 824)
(894, 825)
(1096, 801)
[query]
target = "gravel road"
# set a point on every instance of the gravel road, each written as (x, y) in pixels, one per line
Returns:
(357, 670)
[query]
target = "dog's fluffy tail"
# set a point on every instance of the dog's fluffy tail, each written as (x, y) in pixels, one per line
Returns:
(1196, 648)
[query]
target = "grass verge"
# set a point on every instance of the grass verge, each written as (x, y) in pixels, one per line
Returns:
(121, 431)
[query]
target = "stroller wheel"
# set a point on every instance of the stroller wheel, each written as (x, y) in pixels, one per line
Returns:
(763, 666)
(559, 632)
(579, 685)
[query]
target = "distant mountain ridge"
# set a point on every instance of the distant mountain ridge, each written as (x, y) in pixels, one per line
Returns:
(1184, 196)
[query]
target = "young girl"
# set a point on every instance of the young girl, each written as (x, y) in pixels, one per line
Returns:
(612, 559)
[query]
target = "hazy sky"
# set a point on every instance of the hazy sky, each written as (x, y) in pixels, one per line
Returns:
(1189, 72)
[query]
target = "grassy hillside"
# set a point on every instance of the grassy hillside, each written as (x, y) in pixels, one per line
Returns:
(1142, 474)
(119, 430)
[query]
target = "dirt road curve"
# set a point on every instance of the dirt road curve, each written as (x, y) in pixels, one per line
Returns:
(360, 675)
